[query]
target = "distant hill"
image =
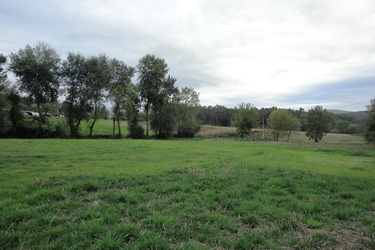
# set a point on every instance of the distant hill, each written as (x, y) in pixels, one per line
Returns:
(338, 111)
(353, 117)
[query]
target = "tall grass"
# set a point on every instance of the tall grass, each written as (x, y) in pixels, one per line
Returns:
(147, 194)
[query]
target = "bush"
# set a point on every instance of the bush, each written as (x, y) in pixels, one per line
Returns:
(60, 130)
(189, 131)
(136, 131)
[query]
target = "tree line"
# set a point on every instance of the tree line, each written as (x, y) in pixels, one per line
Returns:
(315, 122)
(86, 84)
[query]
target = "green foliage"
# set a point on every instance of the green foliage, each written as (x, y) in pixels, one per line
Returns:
(3, 73)
(4, 107)
(187, 122)
(342, 126)
(370, 122)
(318, 123)
(37, 71)
(15, 115)
(245, 119)
(163, 120)
(120, 87)
(155, 87)
(77, 104)
(136, 131)
(282, 122)
(132, 106)
(97, 81)
(104, 112)
(217, 115)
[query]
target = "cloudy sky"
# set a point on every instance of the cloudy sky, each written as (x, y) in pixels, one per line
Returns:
(289, 54)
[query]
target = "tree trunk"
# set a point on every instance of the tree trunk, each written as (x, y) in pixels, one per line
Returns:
(76, 129)
(95, 117)
(147, 121)
(40, 118)
(114, 126)
(290, 133)
(92, 127)
(118, 125)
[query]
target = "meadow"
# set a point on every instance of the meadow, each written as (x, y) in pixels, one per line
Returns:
(185, 194)
(103, 128)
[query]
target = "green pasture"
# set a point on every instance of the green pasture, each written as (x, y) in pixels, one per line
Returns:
(185, 194)
(105, 128)
(101, 127)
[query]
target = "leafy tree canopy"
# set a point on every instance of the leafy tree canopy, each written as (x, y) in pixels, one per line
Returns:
(3, 75)
(155, 86)
(318, 123)
(37, 71)
(187, 100)
(76, 107)
(370, 122)
(119, 89)
(245, 119)
(281, 121)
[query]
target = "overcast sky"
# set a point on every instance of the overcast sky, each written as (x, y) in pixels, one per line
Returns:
(289, 54)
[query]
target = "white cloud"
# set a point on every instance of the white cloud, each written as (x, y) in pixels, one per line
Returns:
(257, 51)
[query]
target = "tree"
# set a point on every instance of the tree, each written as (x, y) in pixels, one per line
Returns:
(163, 120)
(119, 88)
(216, 116)
(154, 85)
(370, 122)
(104, 112)
(4, 104)
(15, 115)
(3, 73)
(187, 101)
(283, 123)
(264, 114)
(36, 69)
(77, 105)
(342, 126)
(318, 123)
(133, 104)
(245, 119)
(97, 80)
(164, 111)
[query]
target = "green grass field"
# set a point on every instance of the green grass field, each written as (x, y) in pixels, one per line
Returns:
(104, 128)
(296, 137)
(101, 127)
(185, 194)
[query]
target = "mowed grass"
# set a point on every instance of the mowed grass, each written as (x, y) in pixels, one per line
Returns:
(185, 194)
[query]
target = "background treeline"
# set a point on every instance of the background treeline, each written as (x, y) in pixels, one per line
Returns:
(84, 89)
(86, 85)
(343, 122)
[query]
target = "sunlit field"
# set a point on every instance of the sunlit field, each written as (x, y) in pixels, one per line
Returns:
(185, 194)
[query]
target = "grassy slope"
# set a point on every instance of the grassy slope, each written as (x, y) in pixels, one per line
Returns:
(184, 194)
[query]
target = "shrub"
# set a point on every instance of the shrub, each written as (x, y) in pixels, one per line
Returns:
(136, 131)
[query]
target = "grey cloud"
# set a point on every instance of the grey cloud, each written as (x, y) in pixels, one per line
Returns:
(231, 49)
